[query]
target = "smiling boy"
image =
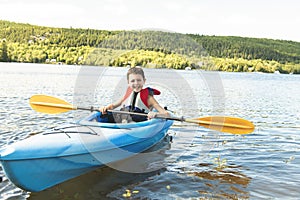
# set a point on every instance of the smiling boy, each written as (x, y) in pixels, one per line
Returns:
(138, 98)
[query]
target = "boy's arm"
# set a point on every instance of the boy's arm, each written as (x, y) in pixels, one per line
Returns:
(153, 103)
(111, 106)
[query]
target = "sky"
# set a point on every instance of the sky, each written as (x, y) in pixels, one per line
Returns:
(273, 19)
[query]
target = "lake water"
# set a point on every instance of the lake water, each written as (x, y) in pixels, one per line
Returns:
(199, 163)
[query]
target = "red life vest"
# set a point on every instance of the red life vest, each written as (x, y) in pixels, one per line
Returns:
(141, 101)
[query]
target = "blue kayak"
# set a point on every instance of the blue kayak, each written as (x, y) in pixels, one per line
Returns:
(44, 160)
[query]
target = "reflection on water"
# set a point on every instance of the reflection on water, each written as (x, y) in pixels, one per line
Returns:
(230, 184)
(199, 163)
(94, 185)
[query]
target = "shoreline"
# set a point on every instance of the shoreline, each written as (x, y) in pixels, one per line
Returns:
(82, 65)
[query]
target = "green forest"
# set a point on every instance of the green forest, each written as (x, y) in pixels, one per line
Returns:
(21, 42)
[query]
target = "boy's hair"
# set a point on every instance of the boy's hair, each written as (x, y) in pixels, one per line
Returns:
(135, 70)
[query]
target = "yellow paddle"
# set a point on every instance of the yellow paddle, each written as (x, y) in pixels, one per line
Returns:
(53, 105)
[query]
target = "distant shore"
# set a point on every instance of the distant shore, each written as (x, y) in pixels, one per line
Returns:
(27, 43)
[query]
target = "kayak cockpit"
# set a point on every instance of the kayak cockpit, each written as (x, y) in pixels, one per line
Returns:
(95, 119)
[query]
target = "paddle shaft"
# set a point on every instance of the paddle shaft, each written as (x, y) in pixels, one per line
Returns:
(63, 106)
(145, 114)
(182, 119)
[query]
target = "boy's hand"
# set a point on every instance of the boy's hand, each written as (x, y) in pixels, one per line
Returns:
(152, 115)
(104, 109)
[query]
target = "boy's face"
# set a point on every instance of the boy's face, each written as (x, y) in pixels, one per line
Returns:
(136, 82)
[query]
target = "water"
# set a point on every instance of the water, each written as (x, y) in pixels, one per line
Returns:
(199, 163)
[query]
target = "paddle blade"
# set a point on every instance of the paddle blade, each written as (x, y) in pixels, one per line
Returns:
(225, 124)
(50, 105)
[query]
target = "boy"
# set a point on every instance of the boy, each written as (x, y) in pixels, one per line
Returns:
(137, 98)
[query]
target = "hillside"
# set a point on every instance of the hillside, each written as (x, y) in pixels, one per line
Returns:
(37, 44)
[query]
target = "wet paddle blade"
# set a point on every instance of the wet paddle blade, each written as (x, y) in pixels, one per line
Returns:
(225, 124)
(49, 104)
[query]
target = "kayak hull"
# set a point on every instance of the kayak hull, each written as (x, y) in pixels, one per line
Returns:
(47, 159)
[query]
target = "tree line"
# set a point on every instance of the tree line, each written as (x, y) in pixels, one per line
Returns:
(250, 48)
(36, 44)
